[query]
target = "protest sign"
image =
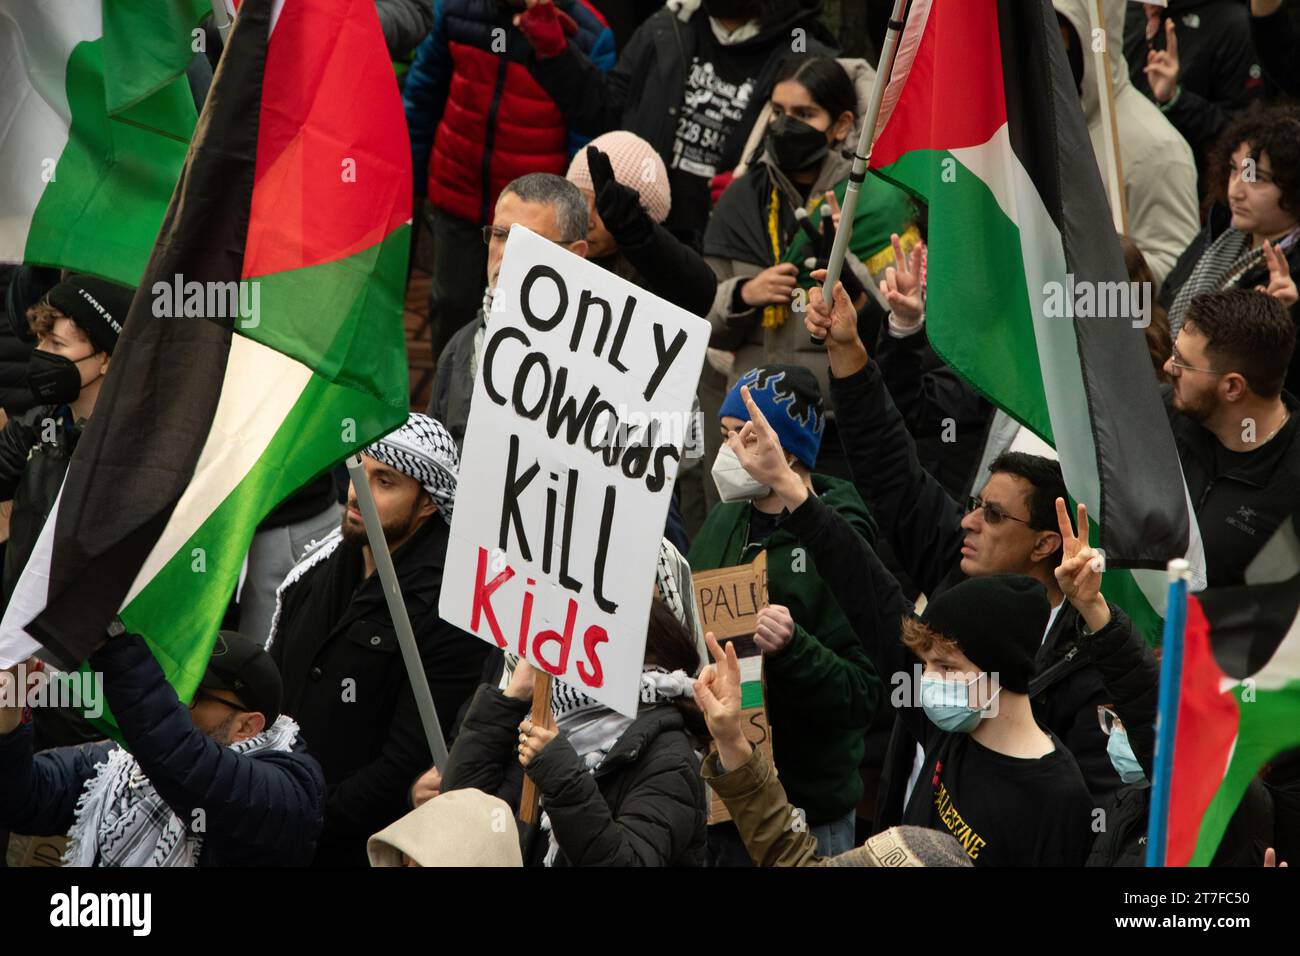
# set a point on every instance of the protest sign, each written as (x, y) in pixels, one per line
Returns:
(729, 600)
(581, 401)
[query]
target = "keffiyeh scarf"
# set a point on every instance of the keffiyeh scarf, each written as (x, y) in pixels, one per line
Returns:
(122, 821)
(1221, 267)
(422, 449)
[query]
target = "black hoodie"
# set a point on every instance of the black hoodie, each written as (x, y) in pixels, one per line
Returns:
(646, 93)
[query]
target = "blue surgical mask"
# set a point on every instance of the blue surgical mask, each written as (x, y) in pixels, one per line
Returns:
(947, 704)
(1121, 757)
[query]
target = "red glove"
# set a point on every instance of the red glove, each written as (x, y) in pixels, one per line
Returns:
(547, 29)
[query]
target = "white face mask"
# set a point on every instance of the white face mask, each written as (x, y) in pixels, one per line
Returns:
(733, 481)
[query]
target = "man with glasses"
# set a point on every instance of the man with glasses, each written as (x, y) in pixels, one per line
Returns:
(550, 206)
(1234, 425)
(1010, 527)
(224, 783)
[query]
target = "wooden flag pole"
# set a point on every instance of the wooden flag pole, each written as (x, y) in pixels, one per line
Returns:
(1171, 676)
(1112, 165)
(863, 155)
(397, 611)
(541, 716)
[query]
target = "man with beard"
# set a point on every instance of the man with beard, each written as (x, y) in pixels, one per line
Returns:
(344, 676)
(1235, 427)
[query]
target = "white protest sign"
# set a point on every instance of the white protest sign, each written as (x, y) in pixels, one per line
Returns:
(581, 400)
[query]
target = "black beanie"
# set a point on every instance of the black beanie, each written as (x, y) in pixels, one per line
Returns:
(97, 306)
(998, 622)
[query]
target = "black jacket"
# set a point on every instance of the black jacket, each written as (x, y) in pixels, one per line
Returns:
(923, 525)
(643, 93)
(644, 805)
(264, 809)
(345, 682)
(946, 417)
(32, 469)
(20, 288)
(1278, 44)
(666, 266)
(1238, 510)
(1218, 68)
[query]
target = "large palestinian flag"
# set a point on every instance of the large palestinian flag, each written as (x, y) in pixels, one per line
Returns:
(1238, 704)
(95, 120)
(297, 186)
(981, 119)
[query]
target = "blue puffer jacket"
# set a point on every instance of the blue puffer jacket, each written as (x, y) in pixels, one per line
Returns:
(261, 810)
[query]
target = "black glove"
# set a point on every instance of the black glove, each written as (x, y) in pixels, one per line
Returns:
(619, 206)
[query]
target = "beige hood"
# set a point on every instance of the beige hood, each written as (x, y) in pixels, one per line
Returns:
(1076, 11)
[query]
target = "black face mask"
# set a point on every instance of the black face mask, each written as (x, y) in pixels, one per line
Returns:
(53, 379)
(732, 9)
(795, 145)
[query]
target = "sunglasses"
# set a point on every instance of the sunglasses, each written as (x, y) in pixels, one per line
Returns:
(201, 694)
(993, 514)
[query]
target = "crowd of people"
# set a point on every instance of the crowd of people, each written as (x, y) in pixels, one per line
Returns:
(691, 148)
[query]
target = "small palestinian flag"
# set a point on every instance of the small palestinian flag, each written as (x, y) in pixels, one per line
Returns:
(1238, 704)
(96, 119)
(1027, 294)
(264, 346)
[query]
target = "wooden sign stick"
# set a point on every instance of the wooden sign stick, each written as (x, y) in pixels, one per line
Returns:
(542, 717)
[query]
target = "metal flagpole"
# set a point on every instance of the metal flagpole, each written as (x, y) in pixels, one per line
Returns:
(397, 610)
(863, 154)
(1171, 676)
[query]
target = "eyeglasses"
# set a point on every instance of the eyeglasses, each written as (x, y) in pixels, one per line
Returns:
(493, 234)
(201, 694)
(1176, 361)
(993, 514)
(1108, 719)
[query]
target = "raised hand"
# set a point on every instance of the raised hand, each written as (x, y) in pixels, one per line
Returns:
(1079, 574)
(838, 325)
(717, 693)
(1162, 66)
(904, 283)
(546, 28)
(1280, 284)
(532, 740)
(427, 786)
(759, 451)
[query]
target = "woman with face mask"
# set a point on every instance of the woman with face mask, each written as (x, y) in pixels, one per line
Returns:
(1251, 238)
(775, 222)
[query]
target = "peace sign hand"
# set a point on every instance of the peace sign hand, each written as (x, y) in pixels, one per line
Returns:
(904, 282)
(1280, 284)
(1162, 66)
(1079, 574)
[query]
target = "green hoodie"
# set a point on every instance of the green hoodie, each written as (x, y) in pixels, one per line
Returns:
(821, 689)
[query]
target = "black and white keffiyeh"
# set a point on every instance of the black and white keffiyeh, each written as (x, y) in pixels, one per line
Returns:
(1220, 267)
(424, 450)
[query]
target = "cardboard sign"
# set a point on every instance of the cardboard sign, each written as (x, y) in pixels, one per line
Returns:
(581, 404)
(729, 600)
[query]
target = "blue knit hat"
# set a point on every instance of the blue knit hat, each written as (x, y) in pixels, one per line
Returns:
(792, 403)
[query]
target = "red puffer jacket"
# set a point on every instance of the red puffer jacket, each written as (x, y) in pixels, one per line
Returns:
(477, 117)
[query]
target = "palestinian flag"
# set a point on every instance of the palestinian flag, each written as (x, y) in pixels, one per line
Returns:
(94, 125)
(1238, 704)
(294, 200)
(981, 118)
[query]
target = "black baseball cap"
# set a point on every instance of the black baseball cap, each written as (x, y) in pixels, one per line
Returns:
(241, 666)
